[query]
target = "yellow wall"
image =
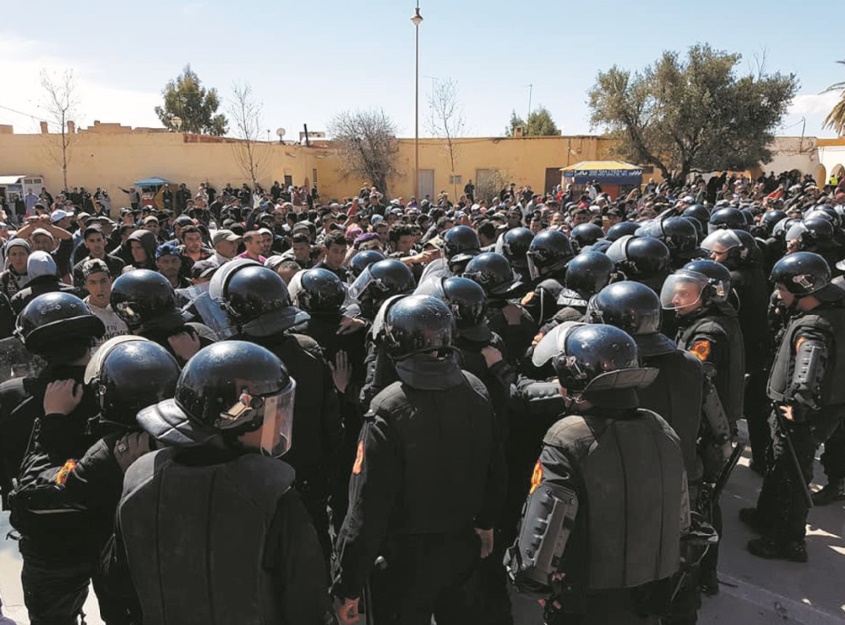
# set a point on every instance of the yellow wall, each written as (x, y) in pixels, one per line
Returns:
(111, 156)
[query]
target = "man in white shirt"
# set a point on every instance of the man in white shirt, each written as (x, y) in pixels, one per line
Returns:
(98, 283)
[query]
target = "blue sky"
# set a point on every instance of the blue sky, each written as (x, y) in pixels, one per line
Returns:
(308, 60)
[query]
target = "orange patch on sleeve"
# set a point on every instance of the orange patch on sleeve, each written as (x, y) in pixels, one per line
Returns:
(64, 472)
(527, 299)
(536, 477)
(359, 459)
(701, 350)
(800, 343)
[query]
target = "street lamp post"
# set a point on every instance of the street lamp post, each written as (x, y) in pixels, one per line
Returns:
(417, 20)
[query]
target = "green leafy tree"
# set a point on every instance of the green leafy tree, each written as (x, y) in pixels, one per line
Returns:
(540, 124)
(691, 115)
(836, 118)
(195, 105)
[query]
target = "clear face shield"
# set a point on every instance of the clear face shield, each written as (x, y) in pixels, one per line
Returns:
(682, 292)
(717, 244)
(533, 270)
(275, 411)
(360, 285)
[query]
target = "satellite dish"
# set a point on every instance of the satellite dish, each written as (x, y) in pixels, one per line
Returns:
(280, 132)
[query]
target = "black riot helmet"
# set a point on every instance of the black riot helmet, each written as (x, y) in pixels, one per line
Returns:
(129, 373)
(679, 235)
(493, 272)
(732, 248)
(644, 259)
(255, 298)
(770, 220)
(699, 213)
(803, 274)
(588, 273)
(584, 235)
(782, 227)
(727, 217)
(623, 228)
(321, 292)
(227, 389)
(827, 212)
(812, 233)
(549, 252)
(590, 351)
(467, 301)
(460, 243)
(146, 301)
(418, 324)
(515, 245)
(716, 285)
(379, 282)
(630, 306)
(362, 260)
(57, 324)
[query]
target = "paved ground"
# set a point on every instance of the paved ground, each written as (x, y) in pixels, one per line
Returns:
(753, 591)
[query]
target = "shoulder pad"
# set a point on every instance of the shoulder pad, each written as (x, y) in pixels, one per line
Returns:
(389, 399)
(570, 429)
(476, 384)
(308, 344)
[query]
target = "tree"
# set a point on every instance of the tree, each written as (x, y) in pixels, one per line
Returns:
(366, 142)
(836, 118)
(689, 116)
(195, 105)
(540, 124)
(246, 114)
(61, 104)
(446, 122)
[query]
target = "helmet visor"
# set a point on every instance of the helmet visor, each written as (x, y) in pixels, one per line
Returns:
(533, 270)
(720, 241)
(360, 285)
(277, 429)
(682, 291)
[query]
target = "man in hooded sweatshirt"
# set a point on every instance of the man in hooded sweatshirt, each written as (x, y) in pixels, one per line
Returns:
(41, 269)
(141, 246)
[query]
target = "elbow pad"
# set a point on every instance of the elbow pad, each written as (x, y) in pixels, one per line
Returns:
(714, 413)
(547, 521)
(807, 377)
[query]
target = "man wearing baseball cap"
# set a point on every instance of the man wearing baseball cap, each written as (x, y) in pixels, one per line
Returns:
(225, 244)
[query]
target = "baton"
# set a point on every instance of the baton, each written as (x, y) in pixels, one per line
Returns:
(796, 466)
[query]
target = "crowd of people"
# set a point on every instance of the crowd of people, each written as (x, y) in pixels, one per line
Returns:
(258, 407)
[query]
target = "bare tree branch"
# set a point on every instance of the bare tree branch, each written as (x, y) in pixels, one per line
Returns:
(246, 113)
(61, 104)
(366, 142)
(446, 122)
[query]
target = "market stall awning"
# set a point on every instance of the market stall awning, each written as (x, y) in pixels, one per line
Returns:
(152, 182)
(7, 180)
(607, 172)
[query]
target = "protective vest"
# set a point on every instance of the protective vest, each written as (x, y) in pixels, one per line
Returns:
(446, 440)
(676, 395)
(730, 373)
(195, 537)
(831, 322)
(633, 506)
(752, 288)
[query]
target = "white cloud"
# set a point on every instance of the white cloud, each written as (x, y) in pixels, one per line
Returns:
(814, 103)
(21, 63)
(192, 9)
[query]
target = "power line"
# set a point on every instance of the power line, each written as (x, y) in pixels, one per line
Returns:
(6, 108)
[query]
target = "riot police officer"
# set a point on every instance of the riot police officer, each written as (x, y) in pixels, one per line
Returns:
(45, 422)
(505, 317)
(642, 259)
(548, 255)
(258, 305)
(230, 419)
(678, 234)
(146, 301)
(737, 250)
(514, 245)
(590, 474)
(460, 244)
(430, 505)
(586, 274)
(710, 330)
(806, 387)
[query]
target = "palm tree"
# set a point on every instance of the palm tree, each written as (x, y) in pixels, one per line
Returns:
(836, 117)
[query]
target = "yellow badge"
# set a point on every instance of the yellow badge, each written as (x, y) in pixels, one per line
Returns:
(536, 477)
(701, 349)
(359, 459)
(64, 472)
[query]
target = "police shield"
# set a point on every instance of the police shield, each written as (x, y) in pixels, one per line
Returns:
(16, 361)
(432, 276)
(214, 315)
(552, 343)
